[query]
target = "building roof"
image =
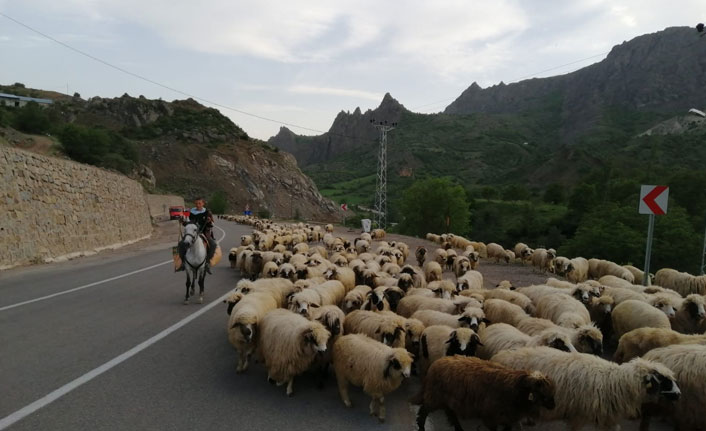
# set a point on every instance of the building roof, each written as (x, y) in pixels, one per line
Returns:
(23, 98)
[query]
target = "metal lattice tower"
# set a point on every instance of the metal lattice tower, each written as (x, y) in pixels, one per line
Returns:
(381, 179)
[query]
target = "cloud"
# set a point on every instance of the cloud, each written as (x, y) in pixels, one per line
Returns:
(328, 91)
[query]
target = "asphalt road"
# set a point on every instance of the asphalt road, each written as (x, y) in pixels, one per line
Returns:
(125, 354)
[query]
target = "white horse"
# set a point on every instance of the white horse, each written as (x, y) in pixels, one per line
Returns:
(195, 261)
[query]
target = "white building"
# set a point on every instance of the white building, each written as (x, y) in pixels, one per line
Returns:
(20, 101)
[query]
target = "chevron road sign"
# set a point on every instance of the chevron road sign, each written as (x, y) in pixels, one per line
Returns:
(653, 200)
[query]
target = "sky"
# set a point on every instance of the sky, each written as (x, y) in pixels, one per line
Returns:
(302, 62)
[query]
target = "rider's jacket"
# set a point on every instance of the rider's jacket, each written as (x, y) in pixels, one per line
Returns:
(202, 218)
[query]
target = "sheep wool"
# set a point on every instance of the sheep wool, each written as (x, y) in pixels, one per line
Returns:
(632, 314)
(377, 368)
(640, 341)
(591, 390)
(438, 341)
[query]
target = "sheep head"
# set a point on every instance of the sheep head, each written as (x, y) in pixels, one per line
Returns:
(462, 341)
(658, 381)
(316, 336)
(695, 306)
(399, 364)
(539, 389)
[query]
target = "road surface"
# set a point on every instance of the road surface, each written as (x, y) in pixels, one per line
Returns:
(104, 343)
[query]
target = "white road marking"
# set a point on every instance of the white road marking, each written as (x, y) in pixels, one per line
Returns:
(58, 393)
(96, 283)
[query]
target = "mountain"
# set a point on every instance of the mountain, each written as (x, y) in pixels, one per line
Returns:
(534, 132)
(181, 147)
(663, 72)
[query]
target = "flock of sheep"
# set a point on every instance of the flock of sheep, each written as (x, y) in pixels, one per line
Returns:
(509, 355)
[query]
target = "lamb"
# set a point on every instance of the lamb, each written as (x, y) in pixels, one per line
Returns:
(577, 271)
(379, 369)
(522, 252)
(497, 395)
(355, 298)
(439, 341)
(432, 271)
(632, 314)
(682, 282)
(563, 310)
(420, 254)
(409, 304)
(640, 341)
(688, 362)
(512, 297)
(497, 252)
(591, 390)
(502, 336)
(471, 280)
(381, 327)
(499, 311)
(288, 343)
(690, 314)
(542, 259)
(243, 323)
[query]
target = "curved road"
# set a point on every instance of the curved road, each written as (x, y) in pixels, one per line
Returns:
(104, 343)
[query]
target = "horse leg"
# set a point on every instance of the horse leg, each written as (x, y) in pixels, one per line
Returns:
(188, 283)
(202, 277)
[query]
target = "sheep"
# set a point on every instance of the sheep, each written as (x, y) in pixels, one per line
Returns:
(561, 265)
(355, 298)
(362, 246)
(417, 275)
(451, 257)
(420, 254)
(246, 240)
(377, 234)
(233, 257)
(433, 238)
(497, 252)
(640, 341)
(690, 314)
(522, 252)
(488, 389)
(664, 302)
(461, 265)
(382, 327)
(345, 275)
(681, 282)
(599, 267)
(269, 270)
(331, 292)
(253, 264)
(688, 364)
(332, 318)
(287, 271)
(542, 259)
(301, 302)
(591, 390)
(438, 341)
(474, 257)
(471, 280)
(585, 338)
(232, 299)
(499, 311)
(600, 310)
(442, 289)
(481, 248)
(432, 271)
(621, 294)
(243, 324)
(638, 274)
(433, 317)
(328, 228)
(501, 336)
(288, 344)
(505, 285)
(278, 288)
(632, 314)
(409, 304)
(577, 270)
(563, 310)
(512, 297)
(379, 369)
(413, 333)
(613, 281)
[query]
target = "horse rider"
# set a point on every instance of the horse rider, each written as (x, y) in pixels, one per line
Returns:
(204, 220)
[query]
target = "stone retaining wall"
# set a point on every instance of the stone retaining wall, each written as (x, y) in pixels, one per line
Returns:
(53, 209)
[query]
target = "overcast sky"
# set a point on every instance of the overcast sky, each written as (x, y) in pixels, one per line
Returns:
(302, 62)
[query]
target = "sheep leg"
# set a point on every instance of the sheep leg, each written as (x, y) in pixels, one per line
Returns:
(381, 409)
(373, 405)
(290, 387)
(343, 389)
(422, 417)
(453, 420)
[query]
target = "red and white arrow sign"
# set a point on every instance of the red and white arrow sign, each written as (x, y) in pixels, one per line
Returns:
(653, 200)
(344, 207)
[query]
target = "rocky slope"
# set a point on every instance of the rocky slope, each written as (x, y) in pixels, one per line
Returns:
(191, 150)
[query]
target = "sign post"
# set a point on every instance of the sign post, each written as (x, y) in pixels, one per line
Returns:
(344, 207)
(653, 201)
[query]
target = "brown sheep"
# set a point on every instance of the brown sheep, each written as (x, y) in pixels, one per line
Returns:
(473, 388)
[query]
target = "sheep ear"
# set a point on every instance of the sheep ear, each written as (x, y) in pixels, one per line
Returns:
(531, 396)
(312, 305)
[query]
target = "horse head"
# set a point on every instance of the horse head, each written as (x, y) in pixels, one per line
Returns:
(191, 231)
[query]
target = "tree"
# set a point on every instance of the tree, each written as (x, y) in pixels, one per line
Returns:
(218, 203)
(489, 192)
(31, 118)
(516, 192)
(555, 194)
(434, 205)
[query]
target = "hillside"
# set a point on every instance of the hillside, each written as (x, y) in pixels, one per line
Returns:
(179, 147)
(534, 132)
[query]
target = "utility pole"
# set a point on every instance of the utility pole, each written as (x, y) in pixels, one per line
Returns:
(381, 180)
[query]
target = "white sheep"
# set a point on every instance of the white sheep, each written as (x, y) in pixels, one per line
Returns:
(632, 314)
(563, 310)
(522, 252)
(591, 390)
(409, 304)
(288, 343)
(690, 314)
(501, 336)
(355, 298)
(432, 271)
(499, 311)
(511, 296)
(640, 341)
(577, 271)
(387, 329)
(377, 368)
(243, 324)
(471, 280)
(681, 282)
(438, 341)
(497, 252)
(543, 259)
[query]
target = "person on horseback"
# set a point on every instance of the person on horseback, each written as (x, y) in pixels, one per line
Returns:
(204, 220)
